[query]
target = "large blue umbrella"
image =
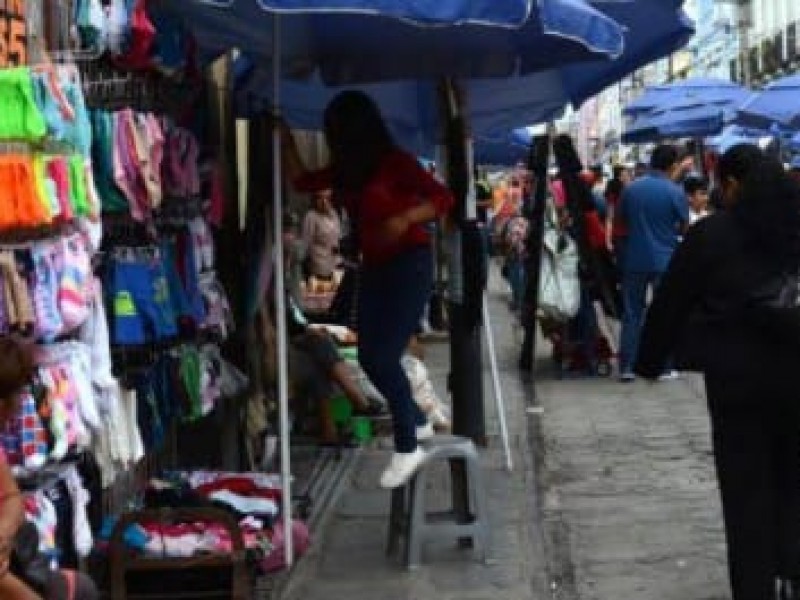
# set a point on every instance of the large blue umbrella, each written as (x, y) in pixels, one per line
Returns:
(659, 96)
(687, 108)
(777, 104)
(345, 42)
(688, 117)
(653, 28)
(733, 135)
(507, 150)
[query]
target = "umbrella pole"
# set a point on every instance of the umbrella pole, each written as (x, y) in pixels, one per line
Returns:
(280, 299)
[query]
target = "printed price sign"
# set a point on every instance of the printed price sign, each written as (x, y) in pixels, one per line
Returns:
(13, 34)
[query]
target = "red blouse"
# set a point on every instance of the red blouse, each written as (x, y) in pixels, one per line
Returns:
(400, 183)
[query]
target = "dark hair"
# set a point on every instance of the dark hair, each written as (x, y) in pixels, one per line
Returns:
(357, 137)
(738, 161)
(617, 171)
(694, 184)
(664, 156)
(769, 206)
(16, 366)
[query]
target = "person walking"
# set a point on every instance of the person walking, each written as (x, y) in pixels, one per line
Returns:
(655, 213)
(704, 315)
(390, 198)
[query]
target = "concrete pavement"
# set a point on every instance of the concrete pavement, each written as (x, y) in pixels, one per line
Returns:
(347, 561)
(630, 502)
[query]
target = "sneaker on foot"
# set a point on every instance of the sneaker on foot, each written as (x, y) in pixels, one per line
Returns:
(425, 432)
(627, 377)
(401, 468)
(670, 375)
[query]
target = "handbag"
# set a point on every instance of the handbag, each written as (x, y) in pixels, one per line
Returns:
(774, 307)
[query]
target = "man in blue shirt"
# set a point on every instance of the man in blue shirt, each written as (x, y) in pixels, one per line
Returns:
(655, 211)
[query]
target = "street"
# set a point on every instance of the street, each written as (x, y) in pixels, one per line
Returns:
(613, 496)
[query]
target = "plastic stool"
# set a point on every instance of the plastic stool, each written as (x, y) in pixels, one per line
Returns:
(467, 519)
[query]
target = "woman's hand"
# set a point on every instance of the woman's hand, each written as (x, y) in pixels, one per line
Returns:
(395, 227)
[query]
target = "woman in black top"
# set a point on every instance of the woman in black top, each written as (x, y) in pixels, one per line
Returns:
(702, 313)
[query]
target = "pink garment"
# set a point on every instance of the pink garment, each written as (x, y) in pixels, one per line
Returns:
(58, 172)
(216, 211)
(559, 195)
(301, 538)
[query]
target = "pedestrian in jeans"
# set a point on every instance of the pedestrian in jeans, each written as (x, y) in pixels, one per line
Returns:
(704, 315)
(390, 198)
(655, 213)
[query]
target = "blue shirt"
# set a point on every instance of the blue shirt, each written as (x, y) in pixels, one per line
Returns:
(654, 209)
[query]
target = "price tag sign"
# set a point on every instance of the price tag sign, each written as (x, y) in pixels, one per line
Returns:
(13, 34)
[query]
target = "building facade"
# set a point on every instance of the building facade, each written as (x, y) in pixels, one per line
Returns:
(769, 33)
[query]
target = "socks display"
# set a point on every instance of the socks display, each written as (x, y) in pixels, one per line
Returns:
(33, 434)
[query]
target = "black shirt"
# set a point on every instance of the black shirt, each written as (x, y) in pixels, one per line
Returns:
(699, 313)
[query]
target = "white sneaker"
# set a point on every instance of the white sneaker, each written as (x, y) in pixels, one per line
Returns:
(425, 432)
(669, 376)
(401, 468)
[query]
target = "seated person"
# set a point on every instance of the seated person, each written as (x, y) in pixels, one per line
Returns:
(316, 369)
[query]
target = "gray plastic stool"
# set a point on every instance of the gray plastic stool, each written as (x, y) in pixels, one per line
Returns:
(467, 521)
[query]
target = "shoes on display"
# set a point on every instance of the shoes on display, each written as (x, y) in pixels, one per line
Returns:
(425, 432)
(401, 468)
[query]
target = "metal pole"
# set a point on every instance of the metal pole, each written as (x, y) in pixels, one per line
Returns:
(280, 299)
(466, 278)
(498, 391)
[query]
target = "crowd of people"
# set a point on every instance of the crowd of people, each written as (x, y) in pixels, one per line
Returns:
(707, 269)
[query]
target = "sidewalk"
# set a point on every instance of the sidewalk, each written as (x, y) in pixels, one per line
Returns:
(630, 502)
(347, 561)
(613, 497)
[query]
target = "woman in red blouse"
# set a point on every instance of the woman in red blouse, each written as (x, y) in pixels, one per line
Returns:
(390, 199)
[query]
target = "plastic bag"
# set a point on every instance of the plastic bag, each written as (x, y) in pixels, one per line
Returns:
(559, 285)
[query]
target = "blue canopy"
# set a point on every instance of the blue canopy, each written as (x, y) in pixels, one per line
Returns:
(733, 135)
(657, 96)
(777, 104)
(507, 150)
(653, 28)
(345, 42)
(491, 12)
(691, 108)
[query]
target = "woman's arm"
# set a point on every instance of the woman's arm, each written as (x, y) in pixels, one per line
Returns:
(12, 515)
(435, 198)
(678, 294)
(12, 511)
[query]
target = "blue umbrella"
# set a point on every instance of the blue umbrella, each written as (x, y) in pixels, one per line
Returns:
(345, 42)
(507, 150)
(688, 108)
(657, 96)
(777, 104)
(733, 135)
(653, 28)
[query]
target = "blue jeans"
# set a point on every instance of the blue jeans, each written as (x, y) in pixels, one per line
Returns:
(635, 286)
(583, 327)
(391, 301)
(516, 279)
